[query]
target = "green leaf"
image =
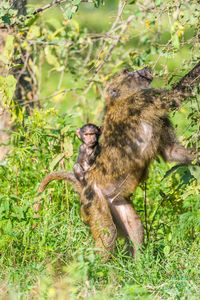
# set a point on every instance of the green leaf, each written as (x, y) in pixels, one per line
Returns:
(74, 9)
(76, 2)
(68, 147)
(8, 227)
(195, 171)
(11, 85)
(34, 32)
(158, 2)
(166, 250)
(56, 160)
(7, 86)
(172, 170)
(51, 59)
(2, 209)
(97, 3)
(169, 237)
(8, 49)
(175, 41)
(65, 129)
(19, 212)
(6, 19)
(55, 23)
(6, 205)
(5, 4)
(69, 13)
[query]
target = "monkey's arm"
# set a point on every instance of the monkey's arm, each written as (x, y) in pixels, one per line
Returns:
(79, 172)
(178, 153)
(190, 80)
(165, 100)
(184, 88)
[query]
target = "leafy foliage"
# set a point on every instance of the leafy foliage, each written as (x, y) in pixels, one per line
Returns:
(53, 257)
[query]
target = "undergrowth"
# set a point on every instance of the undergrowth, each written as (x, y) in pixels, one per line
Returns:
(53, 257)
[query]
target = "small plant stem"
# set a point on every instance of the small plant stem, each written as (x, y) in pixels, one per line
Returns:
(145, 210)
(16, 185)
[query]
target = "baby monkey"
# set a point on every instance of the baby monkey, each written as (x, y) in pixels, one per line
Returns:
(89, 134)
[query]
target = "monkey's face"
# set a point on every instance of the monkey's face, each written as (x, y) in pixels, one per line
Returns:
(125, 82)
(90, 136)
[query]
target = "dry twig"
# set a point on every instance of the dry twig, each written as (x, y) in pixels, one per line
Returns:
(115, 40)
(55, 2)
(40, 9)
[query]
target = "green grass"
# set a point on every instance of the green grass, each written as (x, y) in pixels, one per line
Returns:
(53, 257)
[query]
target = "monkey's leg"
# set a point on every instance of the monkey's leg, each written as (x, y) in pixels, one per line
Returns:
(178, 153)
(129, 222)
(104, 232)
(97, 214)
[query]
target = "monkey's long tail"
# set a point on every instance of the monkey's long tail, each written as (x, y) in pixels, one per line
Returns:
(68, 176)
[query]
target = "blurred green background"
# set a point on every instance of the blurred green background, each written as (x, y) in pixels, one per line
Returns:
(166, 68)
(53, 256)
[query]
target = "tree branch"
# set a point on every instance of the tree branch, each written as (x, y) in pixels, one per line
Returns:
(40, 9)
(55, 2)
(116, 41)
(90, 80)
(121, 7)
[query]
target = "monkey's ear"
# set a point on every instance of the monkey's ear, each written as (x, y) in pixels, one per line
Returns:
(113, 93)
(78, 132)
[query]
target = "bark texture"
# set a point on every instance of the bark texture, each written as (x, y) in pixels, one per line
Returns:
(5, 123)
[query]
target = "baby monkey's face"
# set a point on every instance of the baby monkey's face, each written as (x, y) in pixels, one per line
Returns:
(90, 137)
(89, 134)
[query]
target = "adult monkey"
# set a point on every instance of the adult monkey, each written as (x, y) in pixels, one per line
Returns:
(135, 130)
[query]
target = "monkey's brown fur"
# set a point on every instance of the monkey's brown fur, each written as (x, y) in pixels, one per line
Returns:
(89, 134)
(136, 129)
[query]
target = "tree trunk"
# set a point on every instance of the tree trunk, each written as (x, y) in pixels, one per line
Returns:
(20, 5)
(24, 88)
(4, 115)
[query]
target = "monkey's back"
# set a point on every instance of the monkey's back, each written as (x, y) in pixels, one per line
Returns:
(131, 136)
